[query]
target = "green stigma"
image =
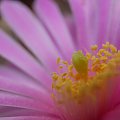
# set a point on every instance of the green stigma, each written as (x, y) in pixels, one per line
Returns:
(80, 63)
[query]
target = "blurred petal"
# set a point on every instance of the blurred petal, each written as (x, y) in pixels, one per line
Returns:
(114, 25)
(78, 7)
(19, 57)
(51, 16)
(104, 7)
(31, 31)
(7, 84)
(6, 111)
(71, 26)
(117, 42)
(11, 112)
(97, 21)
(113, 114)
(14, 100)
(30, 118)
(109, 20)
(17, 76)
(12, 80)
(114, 100)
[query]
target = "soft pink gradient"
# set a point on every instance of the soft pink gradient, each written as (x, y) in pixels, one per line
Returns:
(25, 83)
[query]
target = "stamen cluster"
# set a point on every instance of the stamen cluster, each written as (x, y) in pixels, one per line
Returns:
(69, 84)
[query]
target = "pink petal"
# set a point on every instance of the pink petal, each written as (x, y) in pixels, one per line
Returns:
(7, 84)
(13, 80)
(113, 114)
(117, 43)
(115, 97)
(108, 21)
(19, 112)
(31, 32)
(78, 7)
(104, 7)
(71, 26)
(17, 76)
(114, 22)
(30, 118)
(14, 100)
(22, 59)
(6, 111)
(51, 16)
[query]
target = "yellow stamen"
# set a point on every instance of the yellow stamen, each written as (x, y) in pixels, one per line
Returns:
(58, 60)
(94, 47)
(86, 74)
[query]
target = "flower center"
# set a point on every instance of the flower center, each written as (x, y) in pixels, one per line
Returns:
(86, 74)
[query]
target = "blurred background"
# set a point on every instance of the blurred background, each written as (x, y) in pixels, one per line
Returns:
(62, 4)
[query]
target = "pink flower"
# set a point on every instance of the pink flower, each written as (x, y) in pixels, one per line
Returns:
(86, 88)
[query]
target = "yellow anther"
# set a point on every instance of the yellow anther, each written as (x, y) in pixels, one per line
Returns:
(53, 86)
(64, 74)
(101, 51)
(58, 60)
(65, 62)
(103, 66)
(99, 54)
(94, 47)
(105, 46)
(96, 68)
(113, 48)
(80, 63)
(107, 43)
(58, 86)
(70, 67)
(88, 55)
(60, 66)
(54, 76)
(93, 58)
(107, 53)
(103, 58)
(96, 61)
(85, 75)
